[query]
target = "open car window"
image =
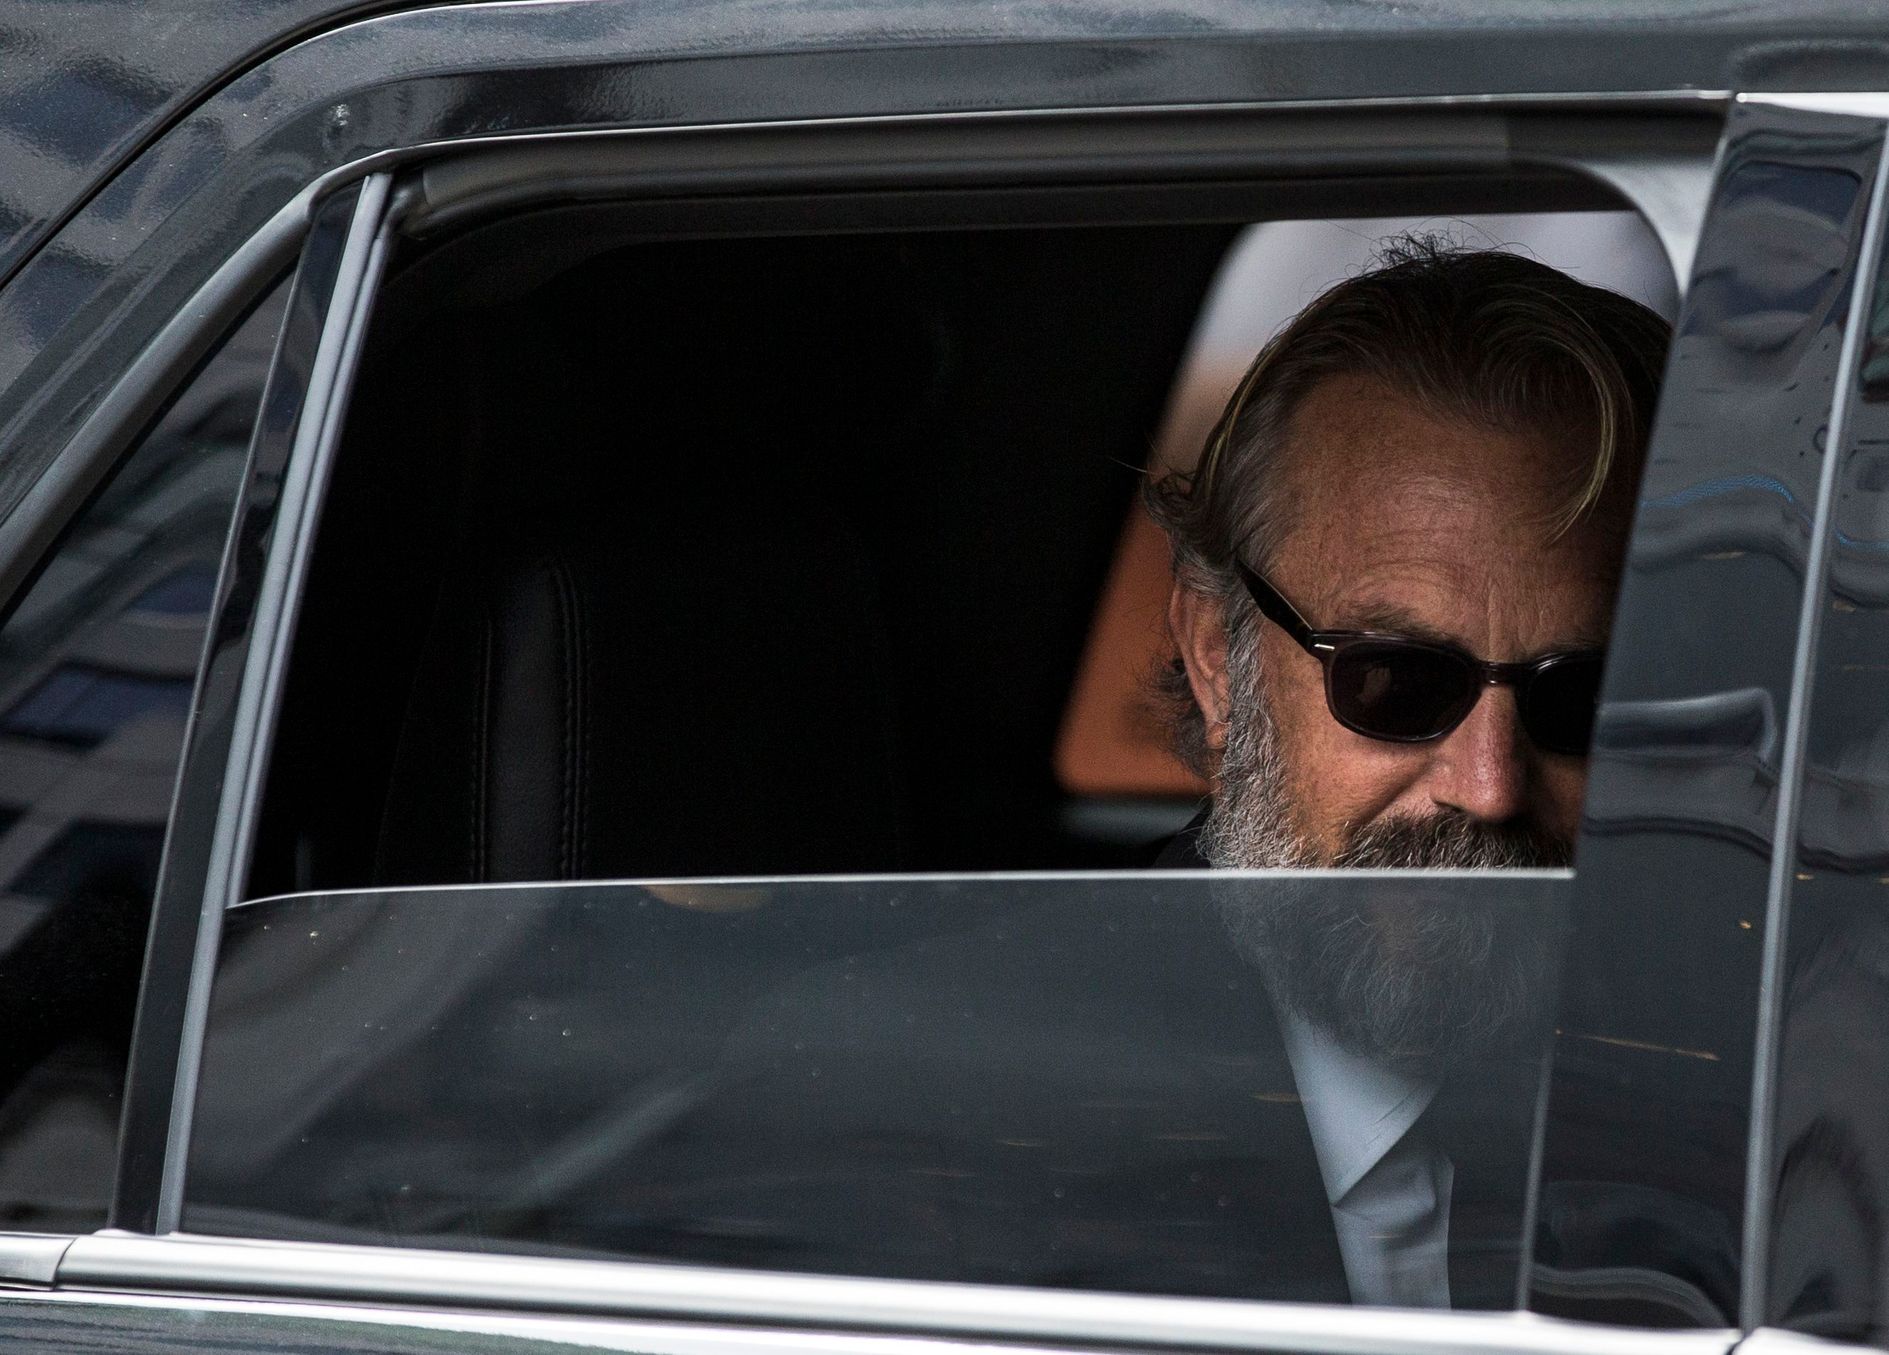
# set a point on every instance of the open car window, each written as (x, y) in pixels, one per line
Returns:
(668, 590)
(800, 554)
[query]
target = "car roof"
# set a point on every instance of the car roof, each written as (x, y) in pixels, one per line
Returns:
(94, 81)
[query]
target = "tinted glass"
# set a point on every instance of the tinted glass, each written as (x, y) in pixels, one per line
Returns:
(1399, 691)
(1558, 704)
(1830, 1132)
(1642, 1205)
(97, 666)
(1130, 1083)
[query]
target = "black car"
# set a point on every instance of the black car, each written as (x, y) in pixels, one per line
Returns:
(570, 772)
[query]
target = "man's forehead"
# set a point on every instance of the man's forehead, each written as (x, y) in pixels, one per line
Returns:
(1400, 520)
(1355, 437)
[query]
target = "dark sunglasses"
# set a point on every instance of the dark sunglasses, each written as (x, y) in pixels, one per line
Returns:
(1410, 691)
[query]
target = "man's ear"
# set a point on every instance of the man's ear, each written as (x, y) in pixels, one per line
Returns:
(1198, 624)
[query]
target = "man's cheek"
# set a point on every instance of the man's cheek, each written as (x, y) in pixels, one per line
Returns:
(1351, 783)
(1325, 790)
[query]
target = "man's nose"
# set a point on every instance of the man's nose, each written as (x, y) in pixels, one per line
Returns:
(1481, 765)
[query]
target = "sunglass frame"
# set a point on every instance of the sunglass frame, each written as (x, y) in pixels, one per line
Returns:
(1327, 645)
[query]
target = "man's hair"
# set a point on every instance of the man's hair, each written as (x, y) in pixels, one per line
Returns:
(1483, 335)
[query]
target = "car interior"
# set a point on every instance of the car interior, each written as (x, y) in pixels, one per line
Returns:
(748, 548)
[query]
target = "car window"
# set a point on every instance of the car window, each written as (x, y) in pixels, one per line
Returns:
(98, 662)
(676, 678)
(840, 515)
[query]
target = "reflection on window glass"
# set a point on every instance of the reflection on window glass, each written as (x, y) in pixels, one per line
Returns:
(1127, 1083)
(82, 707)
(186, 594)
(97, 665)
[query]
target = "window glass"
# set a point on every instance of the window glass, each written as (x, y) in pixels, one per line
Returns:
(1135, 1082)
(97, 665)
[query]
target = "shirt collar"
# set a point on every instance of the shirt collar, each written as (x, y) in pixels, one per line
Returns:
(1356, 1107)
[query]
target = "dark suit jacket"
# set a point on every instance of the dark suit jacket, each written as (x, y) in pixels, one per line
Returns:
(1058, 1097)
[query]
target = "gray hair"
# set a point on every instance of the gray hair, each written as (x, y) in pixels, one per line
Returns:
(1484, 335)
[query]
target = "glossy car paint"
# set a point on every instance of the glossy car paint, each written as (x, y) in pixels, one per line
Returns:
(1827, 1161)
(222, 755)
(93, 82)
(1658, 1042)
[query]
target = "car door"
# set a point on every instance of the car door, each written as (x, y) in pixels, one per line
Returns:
(1684, 812)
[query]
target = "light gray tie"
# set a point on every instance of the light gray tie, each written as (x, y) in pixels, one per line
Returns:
(1393, 1227)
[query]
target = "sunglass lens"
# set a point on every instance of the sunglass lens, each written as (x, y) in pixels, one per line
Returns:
(1558, 704)
(1390, 689)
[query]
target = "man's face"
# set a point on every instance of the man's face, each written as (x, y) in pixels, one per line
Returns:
(1416, 523)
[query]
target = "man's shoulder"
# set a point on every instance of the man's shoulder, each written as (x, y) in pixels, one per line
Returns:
(1182, 851)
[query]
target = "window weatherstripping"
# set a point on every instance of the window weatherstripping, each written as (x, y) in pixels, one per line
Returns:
(227, 743)
(1669, 974)
(1661, 164)
(842, 1310)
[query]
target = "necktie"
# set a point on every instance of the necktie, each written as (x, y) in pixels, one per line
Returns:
(1393, 1226)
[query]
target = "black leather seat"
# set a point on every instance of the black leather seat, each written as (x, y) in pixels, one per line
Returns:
(681, 682)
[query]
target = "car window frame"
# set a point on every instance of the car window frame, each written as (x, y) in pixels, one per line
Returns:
(225, 752)
(201, 876)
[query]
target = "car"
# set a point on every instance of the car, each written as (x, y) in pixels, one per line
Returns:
(571, 762)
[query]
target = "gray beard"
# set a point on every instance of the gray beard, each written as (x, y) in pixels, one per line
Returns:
(1426, 980)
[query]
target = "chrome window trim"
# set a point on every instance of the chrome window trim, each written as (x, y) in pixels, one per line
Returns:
(1760, 1184)
(920, 877)
(1780, 1341)
(31, 1259)
(184, 1264)
(1873, 106)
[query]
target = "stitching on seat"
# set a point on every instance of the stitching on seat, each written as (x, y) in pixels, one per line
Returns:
(480, 729)
(586, 681)
(560, 579)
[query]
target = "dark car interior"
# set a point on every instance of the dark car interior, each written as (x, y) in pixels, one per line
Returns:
(802, 535)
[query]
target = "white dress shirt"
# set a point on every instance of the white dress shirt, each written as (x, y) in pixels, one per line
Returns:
(1389, 1188)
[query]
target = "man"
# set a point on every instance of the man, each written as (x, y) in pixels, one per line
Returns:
(1394, 571)
(1443, 450)
(1081, 1083)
